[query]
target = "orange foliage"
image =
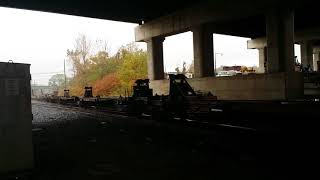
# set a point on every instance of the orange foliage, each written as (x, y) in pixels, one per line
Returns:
(107, 85)
(76, 90)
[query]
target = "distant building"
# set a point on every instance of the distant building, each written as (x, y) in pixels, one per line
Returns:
(231, 68)
(227, 73)
(238, 70)
(188, 74)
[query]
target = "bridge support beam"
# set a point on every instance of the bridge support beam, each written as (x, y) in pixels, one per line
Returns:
(203, 52)
(280, 41)
(280, 48)
(316, 60)
(262, 60)
(306, 54)
(155, 58)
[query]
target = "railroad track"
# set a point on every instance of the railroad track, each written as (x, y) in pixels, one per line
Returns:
(91, 111)
(112, 113)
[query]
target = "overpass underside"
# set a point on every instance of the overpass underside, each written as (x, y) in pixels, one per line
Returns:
(279, 78)
(274, 26)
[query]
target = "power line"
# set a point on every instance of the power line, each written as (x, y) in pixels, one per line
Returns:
(47, 73)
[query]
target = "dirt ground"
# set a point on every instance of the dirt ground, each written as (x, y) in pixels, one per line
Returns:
(72, 143)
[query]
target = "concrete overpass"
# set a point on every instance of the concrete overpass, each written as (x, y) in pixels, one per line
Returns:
(277, 21)
(308, 41)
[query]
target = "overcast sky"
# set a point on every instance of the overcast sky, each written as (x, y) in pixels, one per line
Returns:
(41, 39)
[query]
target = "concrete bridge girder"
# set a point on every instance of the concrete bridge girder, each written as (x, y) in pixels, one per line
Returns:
(310, 53)
(187, 19)
(279, 45)
(300, 37)
(205, 16)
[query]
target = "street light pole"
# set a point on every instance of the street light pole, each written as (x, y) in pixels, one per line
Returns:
(65, 76)
(215, 61)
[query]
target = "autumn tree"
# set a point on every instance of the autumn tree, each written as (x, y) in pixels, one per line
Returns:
(134, 65)
(83, 47)
(101, 46)
(79, 56)
(184, 68)
(93, 65)
(191, 68)
(107, 86)
(101, 65)
(57, 81)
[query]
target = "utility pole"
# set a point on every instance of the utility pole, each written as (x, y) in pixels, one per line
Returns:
(65, 76)
(215, 61)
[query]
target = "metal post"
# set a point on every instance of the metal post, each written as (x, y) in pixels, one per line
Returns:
(65, 77)
(215, 61)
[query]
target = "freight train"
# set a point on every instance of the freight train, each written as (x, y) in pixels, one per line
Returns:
(87, 100)
(181, 102)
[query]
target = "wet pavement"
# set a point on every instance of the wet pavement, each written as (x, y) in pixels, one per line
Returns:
(85, 144)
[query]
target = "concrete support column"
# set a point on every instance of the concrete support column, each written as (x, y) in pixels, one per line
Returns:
(280, 41)
(316, 60)
(306, 54)
(155, 58)
(262, 60)
(203, 52)
(280, 47)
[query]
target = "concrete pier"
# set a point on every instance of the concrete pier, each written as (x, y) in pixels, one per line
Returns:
(262, 60)
(280, 41)
(203, 52)
(155, 58)
(306, 54)
(316, 61)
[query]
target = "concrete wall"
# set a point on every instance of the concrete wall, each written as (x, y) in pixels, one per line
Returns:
(251, 87)
(16, 148)
(294, 85)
